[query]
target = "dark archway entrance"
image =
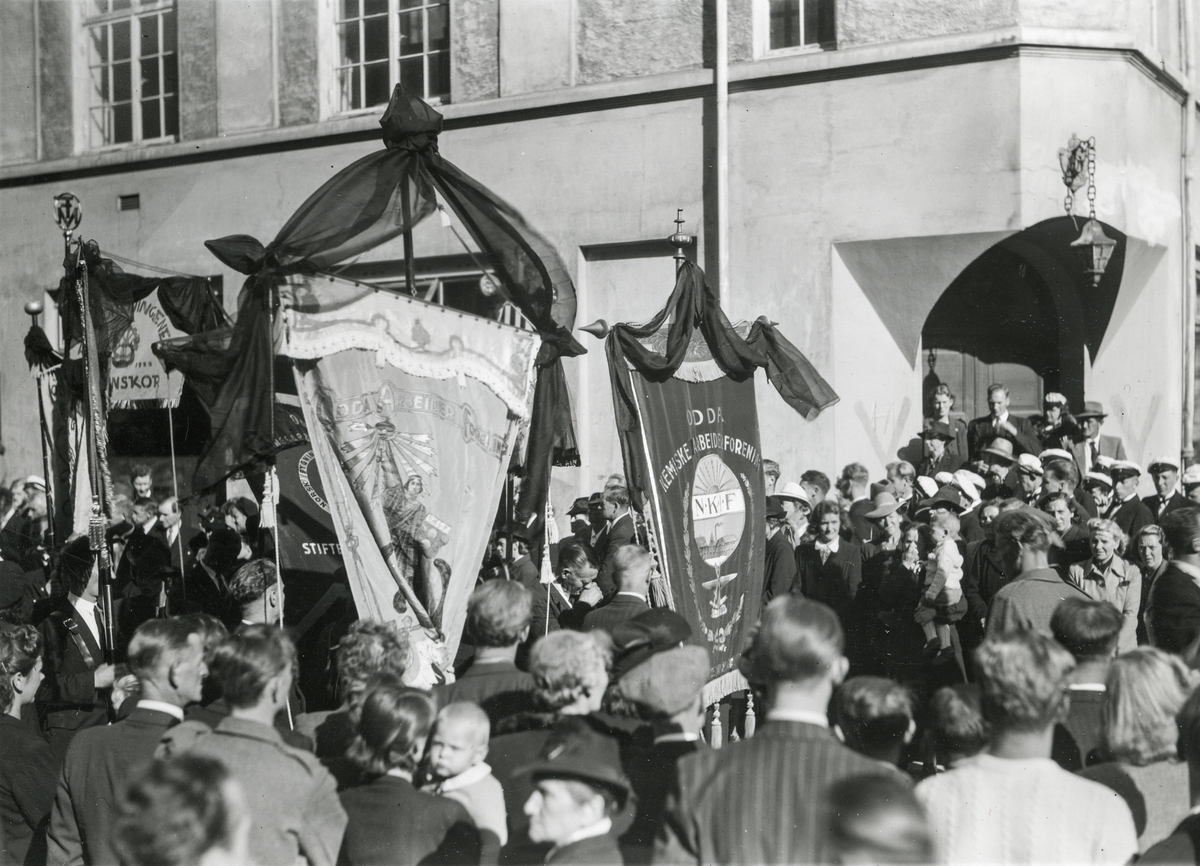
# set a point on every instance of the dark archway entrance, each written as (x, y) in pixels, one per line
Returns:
(1023, 313)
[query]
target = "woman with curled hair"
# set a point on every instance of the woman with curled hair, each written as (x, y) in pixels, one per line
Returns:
(28, 771)
(1106, 576)
(1145, 689)
(390, 820)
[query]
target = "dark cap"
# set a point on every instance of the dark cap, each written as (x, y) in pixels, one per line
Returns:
(937, 430)
(640, 637)
(775, 509)
(575, 750)
(519, 531)
(596, 498)
(579, 506)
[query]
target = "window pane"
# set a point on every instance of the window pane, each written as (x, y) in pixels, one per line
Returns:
(439, 29)
(826, 24)
(349, 35)
(168, 32)
(120, 40)
(150, 77)
(377, 83)
(122, 87)
(412, 4)
(120, 4)
(348, 79)
(375, 39)
(171, 116)
(412, 33)
(122, 130)
(150, 119)
(439, 75)
(100, 44)
(98, 131)
(170, 79)
(412, 74)
(100, 83)
(349, 9)
(375, 7)
(785, 23)
(810, 22)
(149, 28)
(101, 6)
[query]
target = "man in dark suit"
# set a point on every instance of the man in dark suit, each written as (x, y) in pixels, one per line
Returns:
(632, 577)
(167, 657)
(753, 800)
(1127, 511)
(829, 567)
(999, 424)
(208, 583)
(1164, 471)
(1092, 444)
(855, 484)
(497, 623)
(524, 572)
(621, 531)
(147, 531)
(1174, 616)
(73, 695)
(779, 565)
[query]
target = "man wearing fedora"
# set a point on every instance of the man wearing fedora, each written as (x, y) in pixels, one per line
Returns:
(798, 505)
(779, 557)
(1088, 447)
(999, 424)
(936, 439)
(999, 458)
(578, 788)
(1127, 511)
(1164, 471)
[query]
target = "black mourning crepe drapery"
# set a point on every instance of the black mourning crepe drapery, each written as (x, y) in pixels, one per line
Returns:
(361, 207)
(694, 304)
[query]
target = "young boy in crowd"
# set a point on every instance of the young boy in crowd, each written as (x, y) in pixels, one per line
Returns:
(874, 717)
(943, 585)
(457, 769)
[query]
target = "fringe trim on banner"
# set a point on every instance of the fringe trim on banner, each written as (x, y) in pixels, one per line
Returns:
(699, 371)
(726, 684)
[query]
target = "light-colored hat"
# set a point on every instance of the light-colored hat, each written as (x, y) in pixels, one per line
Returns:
(1029, 463)
(1054, 399)
(1001, 449)
(794, 492)
(885, 503)
(1124, 469)
(927, 485)
(943, 478)
(970, 477)
(1055, 454)
(1097, 478)
(1105, 463)
(1164, 463)
(36, 481)
(1191, 475)
(668, 682)
(968, 487)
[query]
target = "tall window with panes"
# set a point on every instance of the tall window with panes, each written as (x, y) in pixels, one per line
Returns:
(381, 42)
(801, 23)
(133, 71)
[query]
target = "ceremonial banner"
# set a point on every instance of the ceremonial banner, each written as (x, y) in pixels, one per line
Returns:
(413, 410)
(136, 376)
(700, 453)
(308, 543)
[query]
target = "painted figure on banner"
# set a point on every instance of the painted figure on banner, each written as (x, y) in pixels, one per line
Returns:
(718, 519)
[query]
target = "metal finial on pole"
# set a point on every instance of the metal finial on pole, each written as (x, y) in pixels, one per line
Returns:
(68, 213)
(679, 240)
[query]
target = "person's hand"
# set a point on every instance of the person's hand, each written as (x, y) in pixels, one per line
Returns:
(1008, 427)
(591, 595)
(104, 676)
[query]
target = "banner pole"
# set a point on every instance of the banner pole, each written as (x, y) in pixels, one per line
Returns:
(272, 479)
(47, 441)
(175, 490)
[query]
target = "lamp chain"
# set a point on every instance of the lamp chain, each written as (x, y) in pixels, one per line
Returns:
(1091, 169)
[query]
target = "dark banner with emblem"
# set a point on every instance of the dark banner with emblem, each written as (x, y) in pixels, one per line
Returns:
(308, 544)
(702, 473)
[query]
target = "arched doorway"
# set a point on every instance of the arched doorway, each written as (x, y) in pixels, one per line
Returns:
(1023, 313)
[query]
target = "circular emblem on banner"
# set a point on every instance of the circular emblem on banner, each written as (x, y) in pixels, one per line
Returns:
(306, 483)
(718, 510)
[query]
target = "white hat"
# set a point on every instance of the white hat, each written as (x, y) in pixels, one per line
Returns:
(1104, 462)
(1054, 399)
(1029, 463)
(794, 492)
(927, 486)
(1124, 468)
(1169, 462)
(1055, 454)
(944, 478)
(1098, 478)
(972, 478)
(1191, 475)
(967, 487)
(36, 481)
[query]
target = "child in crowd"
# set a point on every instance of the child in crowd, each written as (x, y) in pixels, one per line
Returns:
(943, 585)
(874, 717)
(456, 768)
(956, 730)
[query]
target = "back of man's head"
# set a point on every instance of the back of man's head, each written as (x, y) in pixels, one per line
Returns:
(1062, 470)
(817, 479)
(875, 715)
(1086, 629)
(244, 664)
(75, 565)
(956, 725)
(875, 819)
(224, 545)
(156, 643)
(617, 497)
(370, 648)
(1022, 677)
(631, 571)
(251, 582)
(856, 474)
(1027, 527)
(797, 640)
(1182, 529)
(498, 613)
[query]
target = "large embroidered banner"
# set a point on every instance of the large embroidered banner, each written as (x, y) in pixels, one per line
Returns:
(702, 468)
(136, 376)
(413, 410)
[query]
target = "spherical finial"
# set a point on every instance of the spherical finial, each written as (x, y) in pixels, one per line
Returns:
(34, 308)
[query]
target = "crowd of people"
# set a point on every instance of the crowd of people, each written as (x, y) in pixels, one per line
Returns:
(989, 655)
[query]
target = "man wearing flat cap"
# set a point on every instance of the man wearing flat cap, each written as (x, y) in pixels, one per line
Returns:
(579, 787)
(999, 424)
(1127, 511)
(1164, 471)
(1092, 444)
(779, 569)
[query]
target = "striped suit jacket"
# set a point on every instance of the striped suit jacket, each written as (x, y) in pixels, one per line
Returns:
(757, 800)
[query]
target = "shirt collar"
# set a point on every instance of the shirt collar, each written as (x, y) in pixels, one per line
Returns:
(397, 773)
(1086, 687)
(598, 829)
(806, 716)
(467, 777)
(160, 707)
(832, 546)
(1001, 419)
(636, 595)
(677, 737)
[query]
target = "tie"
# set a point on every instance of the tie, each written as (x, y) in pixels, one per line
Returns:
(99, 625)
(824, 551)
(1093, 453)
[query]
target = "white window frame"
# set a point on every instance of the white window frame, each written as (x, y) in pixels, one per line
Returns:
(762, 34)
(332, 49)
(88, 105)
